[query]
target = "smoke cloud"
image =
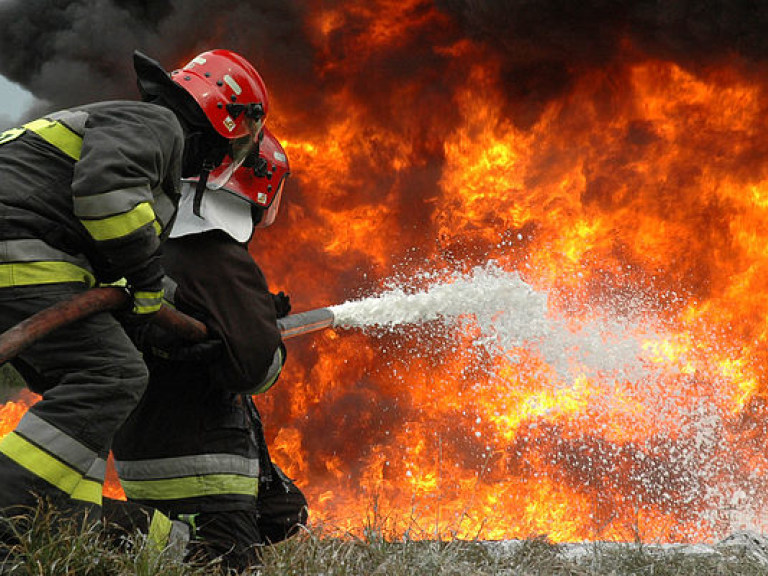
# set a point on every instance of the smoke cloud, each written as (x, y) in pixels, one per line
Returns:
(71, 52)
(68, 53)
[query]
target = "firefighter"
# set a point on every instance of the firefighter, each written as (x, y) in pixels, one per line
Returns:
(87, 195)
(194, 448)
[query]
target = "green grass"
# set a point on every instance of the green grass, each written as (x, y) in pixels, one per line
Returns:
(74, 550)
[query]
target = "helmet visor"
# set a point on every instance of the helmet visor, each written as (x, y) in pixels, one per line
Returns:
(241, 149)
(270, 213)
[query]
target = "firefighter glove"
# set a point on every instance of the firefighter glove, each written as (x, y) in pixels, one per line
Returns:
(155, 341)
(282, 304)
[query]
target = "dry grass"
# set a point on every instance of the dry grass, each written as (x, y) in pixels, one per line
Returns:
(85, 551)
(313, 553)
(76, 550)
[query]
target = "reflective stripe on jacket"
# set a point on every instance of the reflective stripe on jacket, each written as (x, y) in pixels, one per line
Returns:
(31, 261)
(99, 182)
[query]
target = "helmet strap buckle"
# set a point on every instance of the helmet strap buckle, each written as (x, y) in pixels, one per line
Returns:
(202, 182)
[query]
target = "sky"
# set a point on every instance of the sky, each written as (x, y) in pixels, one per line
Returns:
(14, 101)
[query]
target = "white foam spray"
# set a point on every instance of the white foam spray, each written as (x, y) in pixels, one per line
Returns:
(508, 314)
(617, 345)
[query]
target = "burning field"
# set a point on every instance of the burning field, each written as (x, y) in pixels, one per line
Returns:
(612, 158)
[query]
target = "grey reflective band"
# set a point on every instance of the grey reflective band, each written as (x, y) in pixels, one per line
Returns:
(164, 208)
(74, 121)
(98, 470)
(181, 534)
(110, 203)
(146, 302)
(181, 466)
(33, 250)
(276, 366)
(169, 291)
(62, 446)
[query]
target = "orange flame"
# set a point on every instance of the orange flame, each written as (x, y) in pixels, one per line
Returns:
(640, 196)
(12, 411)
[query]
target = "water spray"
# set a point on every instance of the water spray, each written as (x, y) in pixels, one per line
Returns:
(507, 312)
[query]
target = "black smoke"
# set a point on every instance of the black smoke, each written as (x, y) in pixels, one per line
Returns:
(70, 52)
(546, 44)
(67, 53)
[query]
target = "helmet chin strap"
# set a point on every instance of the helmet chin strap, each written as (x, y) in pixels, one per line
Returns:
(210, 162)
(200, 188)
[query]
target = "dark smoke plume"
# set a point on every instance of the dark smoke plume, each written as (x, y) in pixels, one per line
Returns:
(545, 44)
(68, 52)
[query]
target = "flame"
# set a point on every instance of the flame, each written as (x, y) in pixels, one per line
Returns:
(638, 196)
(13, 410)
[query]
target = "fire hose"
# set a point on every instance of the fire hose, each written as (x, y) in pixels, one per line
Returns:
(16, 339)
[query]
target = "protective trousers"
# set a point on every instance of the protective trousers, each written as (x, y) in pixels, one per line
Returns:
(236, 536)
(91, 377)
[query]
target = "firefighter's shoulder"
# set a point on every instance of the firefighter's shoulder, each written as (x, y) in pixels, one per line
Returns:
(128, 112)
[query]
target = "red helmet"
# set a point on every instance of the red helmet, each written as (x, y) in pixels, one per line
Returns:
(228, 89)
(259, 180)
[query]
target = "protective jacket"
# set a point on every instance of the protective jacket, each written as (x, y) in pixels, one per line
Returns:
(194, 443)
(85, 194)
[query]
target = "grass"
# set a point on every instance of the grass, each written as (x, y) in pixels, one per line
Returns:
(312, 553)
(76, 550)
(83, 550)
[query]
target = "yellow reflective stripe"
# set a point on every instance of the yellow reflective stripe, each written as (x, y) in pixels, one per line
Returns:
(158, 228)
(147, 302)
(120, 225)
(121, 283)
(190, 487)
(159, 533)
(146, 309)
(57, 135)
(11, 134)
(50, 469)
(88, 491)
(44, 272)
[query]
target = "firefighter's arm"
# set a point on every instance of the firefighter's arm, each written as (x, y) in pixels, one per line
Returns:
(127, 154)
(219, 281)
(273, 373)
(282, 304)
(253, 353)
